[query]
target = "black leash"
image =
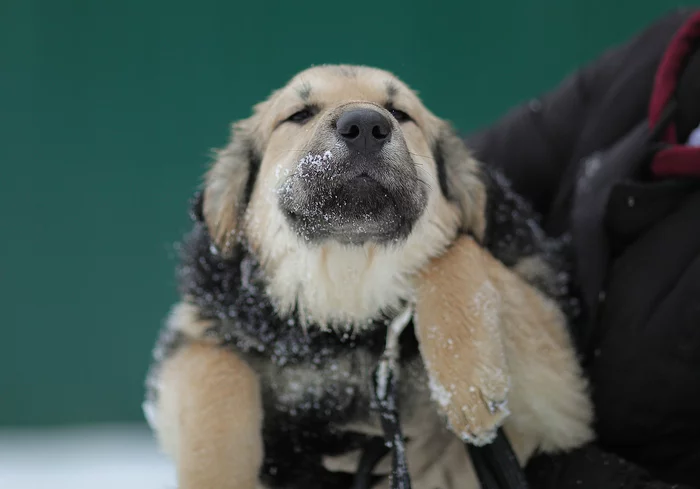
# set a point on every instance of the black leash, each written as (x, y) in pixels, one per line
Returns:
(495, 464)
(373, 452)
(393, 437)
(385, 388)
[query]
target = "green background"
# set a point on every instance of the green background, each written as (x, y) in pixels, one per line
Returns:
(108, 110)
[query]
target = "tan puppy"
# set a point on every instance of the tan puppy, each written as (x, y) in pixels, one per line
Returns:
(341, 199)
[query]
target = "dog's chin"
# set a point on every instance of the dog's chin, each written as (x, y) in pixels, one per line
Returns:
(358, 211)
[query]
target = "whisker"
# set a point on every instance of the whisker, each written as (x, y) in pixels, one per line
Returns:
(422, 156)
(424, 169)
(427, 184)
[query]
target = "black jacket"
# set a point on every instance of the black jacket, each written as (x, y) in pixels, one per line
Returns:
(602, 157)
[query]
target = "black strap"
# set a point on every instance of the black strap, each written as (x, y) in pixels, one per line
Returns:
(496, 465)
(389, 417)
(374, 451)
(393, 440)
(385, 402)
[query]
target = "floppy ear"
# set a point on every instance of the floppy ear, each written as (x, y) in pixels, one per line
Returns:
(228, 185)
(461, 180)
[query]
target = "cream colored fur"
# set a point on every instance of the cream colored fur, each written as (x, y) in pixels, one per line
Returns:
(209, 418)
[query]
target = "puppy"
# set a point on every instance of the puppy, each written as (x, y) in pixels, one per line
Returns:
(339, 202)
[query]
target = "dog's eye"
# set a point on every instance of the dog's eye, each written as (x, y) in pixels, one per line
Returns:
(399, 115)
(301, 116)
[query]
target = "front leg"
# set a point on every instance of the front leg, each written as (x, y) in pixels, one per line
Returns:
(458, 327)
(209, 418)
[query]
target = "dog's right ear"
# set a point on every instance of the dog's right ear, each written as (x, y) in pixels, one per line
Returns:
(228, 185)
(461, 180)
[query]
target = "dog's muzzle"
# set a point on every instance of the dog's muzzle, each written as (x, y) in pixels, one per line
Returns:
(357, 183)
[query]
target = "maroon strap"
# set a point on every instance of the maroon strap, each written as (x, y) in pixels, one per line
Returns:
(669, 71)
(676, 160)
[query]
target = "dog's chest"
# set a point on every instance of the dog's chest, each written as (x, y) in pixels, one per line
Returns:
(336, 389)
(318, 411)
(328, 389)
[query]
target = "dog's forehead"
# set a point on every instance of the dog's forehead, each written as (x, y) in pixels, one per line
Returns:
(335, 83)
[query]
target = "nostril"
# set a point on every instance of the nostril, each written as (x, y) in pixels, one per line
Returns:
(351, 132)
(379, 133)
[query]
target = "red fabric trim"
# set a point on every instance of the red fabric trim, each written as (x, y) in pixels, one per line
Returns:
(669, 71)
(677, 161)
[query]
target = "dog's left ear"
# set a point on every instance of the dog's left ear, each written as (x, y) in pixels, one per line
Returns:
(228, 185)
(461, 180)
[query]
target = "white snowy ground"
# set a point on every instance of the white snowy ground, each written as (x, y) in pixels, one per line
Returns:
(104, 457)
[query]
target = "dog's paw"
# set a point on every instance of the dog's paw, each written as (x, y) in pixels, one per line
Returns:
(458, 324)
(474, 411)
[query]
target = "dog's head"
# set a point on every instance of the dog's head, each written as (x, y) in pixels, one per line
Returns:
(342, 180)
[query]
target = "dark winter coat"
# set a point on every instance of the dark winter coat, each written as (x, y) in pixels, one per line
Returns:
(587, 156)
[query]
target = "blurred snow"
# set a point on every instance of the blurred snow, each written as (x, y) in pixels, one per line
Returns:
(105, 457)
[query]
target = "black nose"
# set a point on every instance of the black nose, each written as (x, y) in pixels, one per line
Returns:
(364, 130)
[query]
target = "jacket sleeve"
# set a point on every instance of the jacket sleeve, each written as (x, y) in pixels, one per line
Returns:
(534, 143)
(590, 468)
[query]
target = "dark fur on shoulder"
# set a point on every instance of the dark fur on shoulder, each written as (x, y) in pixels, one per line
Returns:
(514, 234)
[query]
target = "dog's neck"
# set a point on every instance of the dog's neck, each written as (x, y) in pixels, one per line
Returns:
(338, 286)
(335, 286)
